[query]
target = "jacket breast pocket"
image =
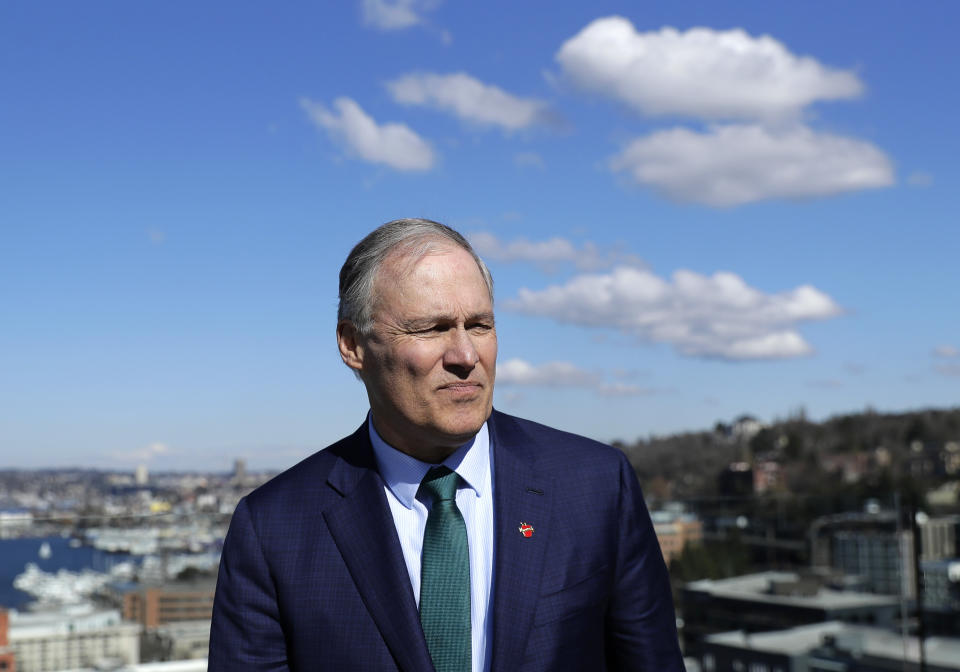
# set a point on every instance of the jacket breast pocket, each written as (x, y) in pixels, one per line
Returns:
(579, 596)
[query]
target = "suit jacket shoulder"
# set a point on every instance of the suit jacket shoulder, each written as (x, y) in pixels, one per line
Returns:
(309, 476)
(312, 575)
(554, 451)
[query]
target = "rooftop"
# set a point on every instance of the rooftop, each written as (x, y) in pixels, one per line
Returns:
(758, 588)
(199, 665)
(72, 619)
(863, 640)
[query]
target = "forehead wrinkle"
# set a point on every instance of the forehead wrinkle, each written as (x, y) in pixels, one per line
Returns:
(400, 264)
(432, 318)
(405, 258)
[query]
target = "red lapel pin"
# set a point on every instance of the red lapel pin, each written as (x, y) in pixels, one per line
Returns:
(526, 529)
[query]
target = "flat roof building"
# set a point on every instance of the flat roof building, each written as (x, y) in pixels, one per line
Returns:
(74, 637)
(155, 605)
(675, 531)
(827, 647)
(770, 601)
(7, 663)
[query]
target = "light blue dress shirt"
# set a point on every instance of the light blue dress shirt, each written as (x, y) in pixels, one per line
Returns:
(402, 475)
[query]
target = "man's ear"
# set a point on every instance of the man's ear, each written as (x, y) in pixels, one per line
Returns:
(350, 343)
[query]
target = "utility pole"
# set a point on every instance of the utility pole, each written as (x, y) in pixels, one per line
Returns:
(904, 612)
(914, 509)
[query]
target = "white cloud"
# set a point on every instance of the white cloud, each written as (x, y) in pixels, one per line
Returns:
(549, 374)
(519, 372)
(468, 98)
(394, 14)
(625, 390)
(706, 316)
(391, 144)
(700, 73)
(547, 254)
(946, 351)
(144, 454)
(736, 164)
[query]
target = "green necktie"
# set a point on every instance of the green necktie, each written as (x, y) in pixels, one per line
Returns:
(445, 576)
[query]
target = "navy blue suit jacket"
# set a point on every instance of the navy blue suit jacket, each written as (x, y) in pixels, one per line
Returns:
(312, 576)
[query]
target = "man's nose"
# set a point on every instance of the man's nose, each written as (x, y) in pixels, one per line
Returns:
(460, 350)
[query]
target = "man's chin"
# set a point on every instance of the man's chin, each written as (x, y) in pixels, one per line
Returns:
(464, 428)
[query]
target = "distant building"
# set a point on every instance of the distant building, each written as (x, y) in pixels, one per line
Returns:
(141, 476)
(850, 466)
(746, 427)
(239, 470)
(951, 458)
(178, 641)
(171, 602)
(940, 538)
(767, 476)
(941, 584)
(826, 647)
(14, 521)
(7, 663)
(676, 530)
(883, 560)
(73, 638)
(874, 548)
(947, 495)
(941, 597)
(736, 480)
(206, 502)
(773, 601)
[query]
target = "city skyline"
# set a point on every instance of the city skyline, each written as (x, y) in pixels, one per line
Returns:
(691, 212)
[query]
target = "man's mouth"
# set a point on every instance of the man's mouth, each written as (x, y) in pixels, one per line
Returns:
(461, 386)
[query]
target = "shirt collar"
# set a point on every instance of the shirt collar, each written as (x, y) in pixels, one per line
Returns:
(403, 473)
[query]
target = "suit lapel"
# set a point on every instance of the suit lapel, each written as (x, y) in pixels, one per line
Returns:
(364, 532)
(521, 495)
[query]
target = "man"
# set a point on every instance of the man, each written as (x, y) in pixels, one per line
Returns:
(442, 534)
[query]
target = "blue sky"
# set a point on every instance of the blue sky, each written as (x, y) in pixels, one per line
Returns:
(692, 210)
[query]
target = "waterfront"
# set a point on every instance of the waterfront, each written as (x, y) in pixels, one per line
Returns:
(16, 553)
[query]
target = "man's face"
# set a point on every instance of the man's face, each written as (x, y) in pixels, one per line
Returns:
(430, 361)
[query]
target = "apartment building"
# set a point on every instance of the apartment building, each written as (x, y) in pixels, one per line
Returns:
(71, 638)
(7, 663)
(675, 531)
(155, 605)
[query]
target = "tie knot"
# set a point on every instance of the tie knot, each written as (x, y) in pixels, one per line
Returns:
(441, 483)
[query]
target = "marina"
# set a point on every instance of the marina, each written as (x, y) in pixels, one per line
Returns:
(50, 555)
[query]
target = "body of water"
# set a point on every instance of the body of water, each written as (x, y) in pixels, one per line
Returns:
(16, 553)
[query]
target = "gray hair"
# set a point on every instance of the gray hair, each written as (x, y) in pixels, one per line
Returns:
(412, 238)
